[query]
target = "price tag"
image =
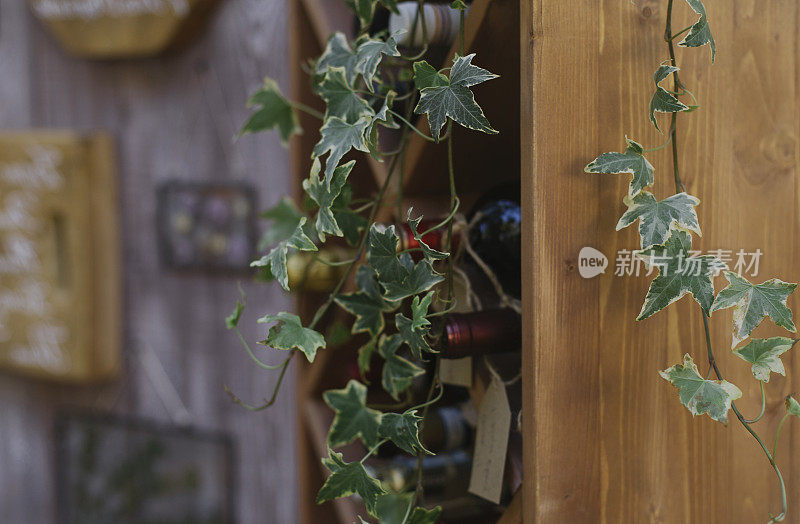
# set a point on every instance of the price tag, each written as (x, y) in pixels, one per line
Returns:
(491, 443)
(456, 371)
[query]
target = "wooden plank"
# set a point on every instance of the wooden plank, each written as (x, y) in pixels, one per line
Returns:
(608, 440)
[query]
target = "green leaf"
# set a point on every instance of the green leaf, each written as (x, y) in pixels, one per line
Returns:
(392, 509)
(365, 355)
(339, 137)
(365, 10)
(663, 101)
(369, 54)
(285, 217)
(350, 222)
(232, 320)
(367, 304)
(274, 112)
(454, 99)
(419, 311)
(419, 280)
(398, 373)
(348, 479)
(275, 261)
(382, 254)
(700, 33)
(425, 516)
(414, 331)
(657, 219)
(338, 54)
(337, 334)
(430, 254)
(679, 273)
(458, 5)
(325, 194)
(383, 118)
(353, 418)
(403, 430)
(341, 98)
(289, 334)
(631, 161)
(792, 406)
(765, 354)
(754, 302)
(712, 397)
(426, 76)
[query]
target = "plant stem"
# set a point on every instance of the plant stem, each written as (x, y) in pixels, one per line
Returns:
(763, 409)
(453, 204)
(411, 126)
(676, 84)
(777, 434)
(306, 109)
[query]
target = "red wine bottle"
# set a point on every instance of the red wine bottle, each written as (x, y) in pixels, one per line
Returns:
(480, 333)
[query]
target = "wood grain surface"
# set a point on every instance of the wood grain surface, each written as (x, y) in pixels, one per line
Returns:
(606, 438)
(173, 117)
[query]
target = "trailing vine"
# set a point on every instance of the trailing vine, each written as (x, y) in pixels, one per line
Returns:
(362, 83)
(665, 230)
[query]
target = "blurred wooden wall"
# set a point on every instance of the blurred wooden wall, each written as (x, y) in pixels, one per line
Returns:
(172, 117)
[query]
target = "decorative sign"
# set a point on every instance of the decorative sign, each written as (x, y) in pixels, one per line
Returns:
(113, 469)
(120, 28)
(59, 256)
(207, 227)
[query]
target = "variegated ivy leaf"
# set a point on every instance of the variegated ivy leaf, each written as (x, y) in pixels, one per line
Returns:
(365, 9)
(353, 418)
(656, 219)
(367, 304)
(341, 99)
(454, 99)
(403, 430)
(364, 60)
(339, 137)
(365, 353)
(712, 397)
(383, 118)
(285, 216)
(398, 373)
(393, 507)
(275, 261)
(413, 331)
(753, 302)
(419, 311)
(274, 112)
(350, 222)
(430, 253)
(369, 54)
(419, 280)
(426, 76)
(338, 53)
(663, 101)
(289, 334)
(349, 479)
(631, 161)
(765, 354)
(324, 195)
(700, 33)
(678, 273)
(382, 254)
(792, 406)
(232, 320)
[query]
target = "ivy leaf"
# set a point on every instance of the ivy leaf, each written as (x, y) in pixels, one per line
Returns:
(348, 479)
(414, 331)
(426, 76)
(276, 259)
(324, 195)
(425, 516)
(754, 302)
(419, 311)
(289, 334)
(663, 101)
(232, 320)
(369, 56)
(275, 112)
(353, 418)
(339, 137)
(455, 99)
(365, 9)
(679, 273)
(700, 33)
(765, 354)
(430, 254)
(341, 98)
(403, 430)
(367, 304)
(631, 161)
(384, 118)
(382, 254)
(792, 406)
(398, 373)
(419, 280)
(656, 219)
(365, 355)
(338, 53)
(712, 397)
(350, 222)
(285, 216)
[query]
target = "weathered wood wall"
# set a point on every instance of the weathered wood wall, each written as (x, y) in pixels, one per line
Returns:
(173, 117)
(608, 439)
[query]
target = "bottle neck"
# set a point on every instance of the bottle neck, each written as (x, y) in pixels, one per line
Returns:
(481, 333)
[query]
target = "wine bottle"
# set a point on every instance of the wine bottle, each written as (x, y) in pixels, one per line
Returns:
(480, 333)
(441, 24)
(307, 273)
(443, 476)
(445, 429)
(435, 239)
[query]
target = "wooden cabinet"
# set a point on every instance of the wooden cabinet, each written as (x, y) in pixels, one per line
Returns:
(605, 438)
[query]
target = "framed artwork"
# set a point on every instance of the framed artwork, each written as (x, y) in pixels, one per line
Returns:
(206, 227)
(121, 470)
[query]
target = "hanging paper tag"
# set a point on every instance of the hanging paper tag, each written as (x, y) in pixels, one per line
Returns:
(491, 443)
(456, 371)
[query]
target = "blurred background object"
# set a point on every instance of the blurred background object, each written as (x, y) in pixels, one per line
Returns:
(173, 117)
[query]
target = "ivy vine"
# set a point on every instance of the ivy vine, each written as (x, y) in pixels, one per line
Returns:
(364, 83)
(665, 229)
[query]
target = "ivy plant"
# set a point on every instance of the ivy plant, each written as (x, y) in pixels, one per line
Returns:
(367, 85)
(665, 231)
